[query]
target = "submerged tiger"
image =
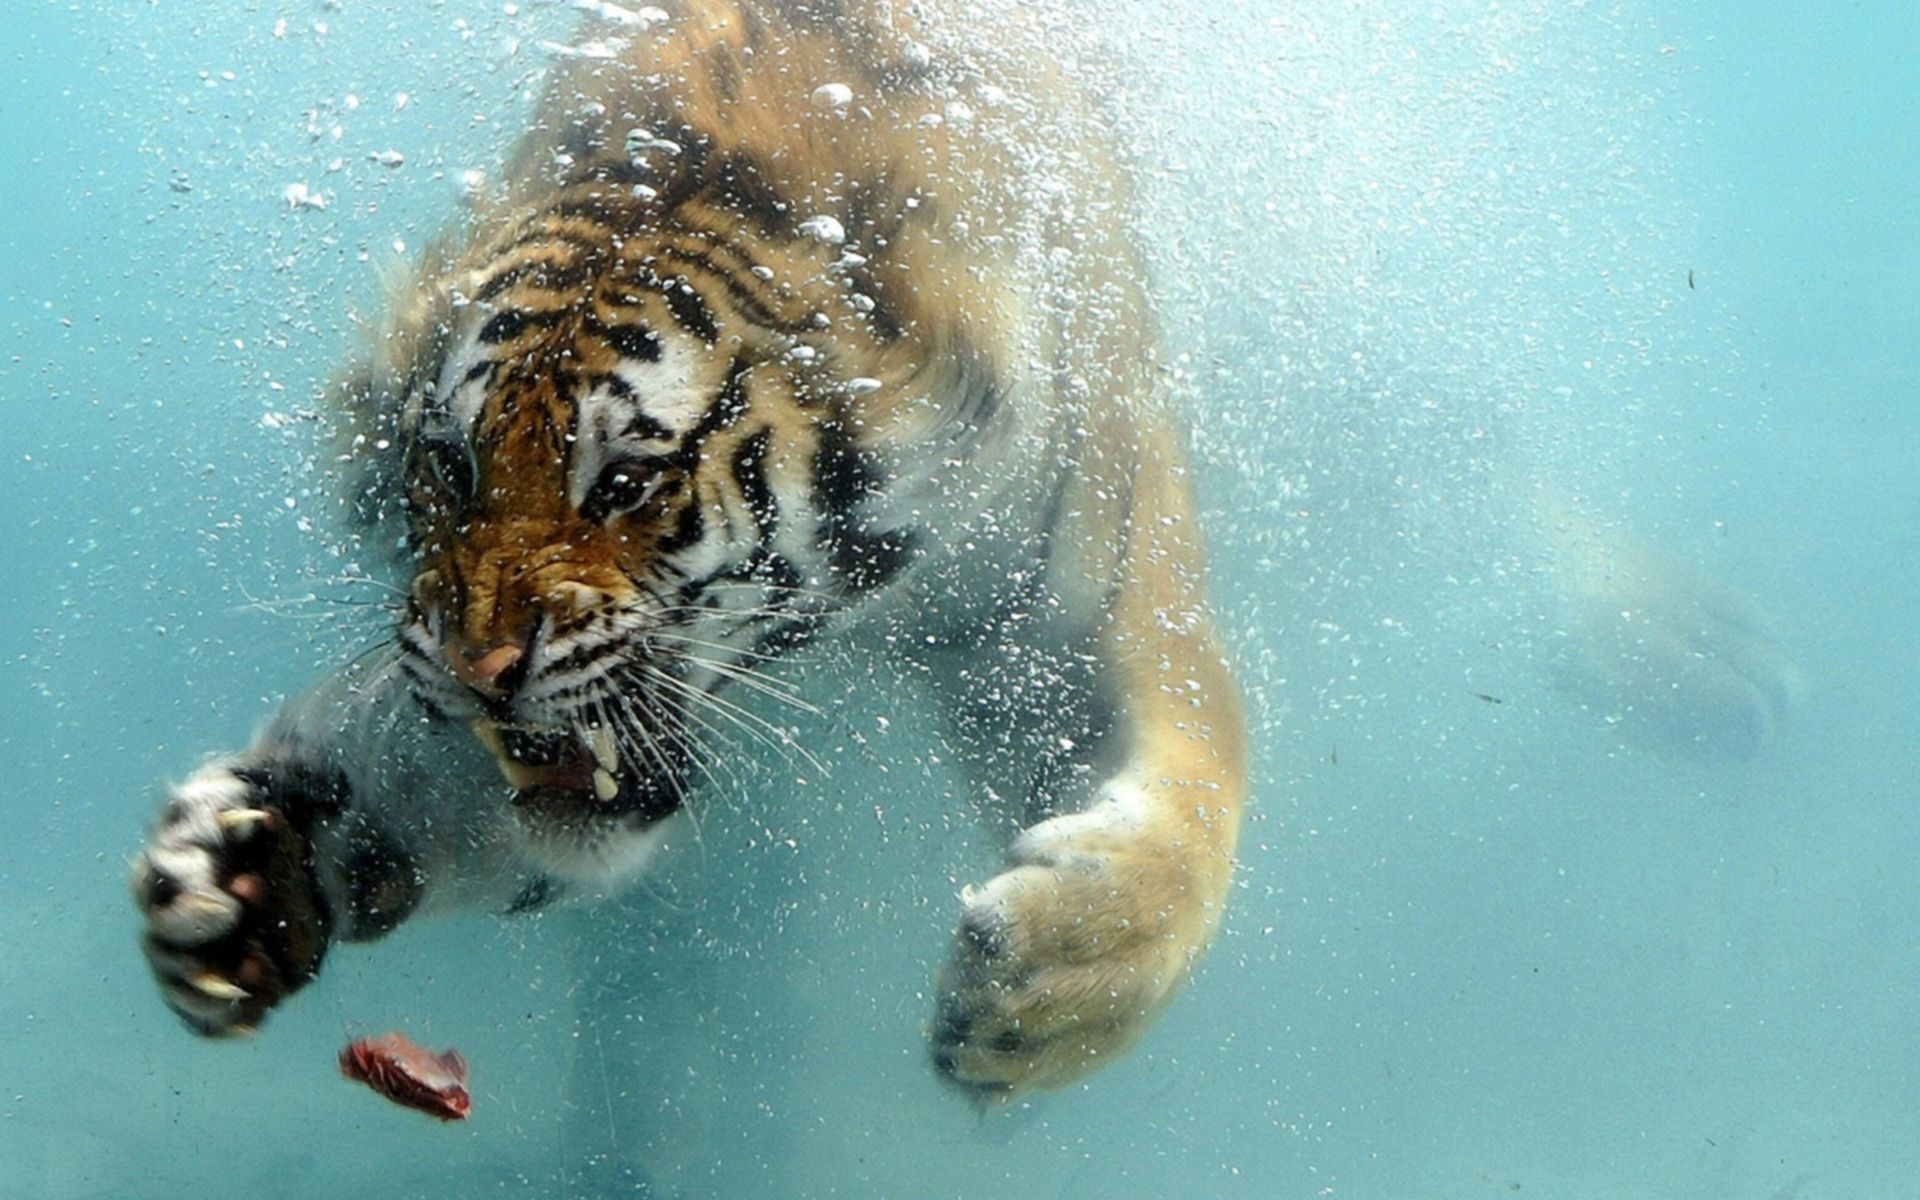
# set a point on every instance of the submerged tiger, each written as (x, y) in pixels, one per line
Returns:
(787, 317)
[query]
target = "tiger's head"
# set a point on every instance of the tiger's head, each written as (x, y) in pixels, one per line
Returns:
(629, 482)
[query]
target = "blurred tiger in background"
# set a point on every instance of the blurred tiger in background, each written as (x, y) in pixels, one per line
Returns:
(787, 316)
(1679, 663)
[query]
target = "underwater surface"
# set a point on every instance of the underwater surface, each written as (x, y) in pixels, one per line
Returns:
(1492, 320)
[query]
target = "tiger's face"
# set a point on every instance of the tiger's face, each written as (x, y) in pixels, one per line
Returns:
(613, 499)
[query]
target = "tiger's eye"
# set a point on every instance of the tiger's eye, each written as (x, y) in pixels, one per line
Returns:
(620, 487)
(451, 464)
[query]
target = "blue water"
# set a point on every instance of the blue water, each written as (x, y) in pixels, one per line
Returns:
(1425, 260)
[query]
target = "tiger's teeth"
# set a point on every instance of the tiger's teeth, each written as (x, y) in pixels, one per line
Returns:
(605, 785)
(517, 775)
(489, 735)
(600, 739)
(235, 820)
(220, 989)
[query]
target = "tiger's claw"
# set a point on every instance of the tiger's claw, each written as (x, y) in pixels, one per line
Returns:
(242, 820)
(220, 989)
(235, 921)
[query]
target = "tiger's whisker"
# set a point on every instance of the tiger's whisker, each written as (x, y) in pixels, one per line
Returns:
(694, 755)
(774, 737)
(673, 635)
(779, 689)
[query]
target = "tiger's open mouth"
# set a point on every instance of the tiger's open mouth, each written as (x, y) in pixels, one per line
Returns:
(575, 773)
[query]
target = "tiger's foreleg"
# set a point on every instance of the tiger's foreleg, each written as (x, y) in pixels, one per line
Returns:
(334, 825)
(1064, 959)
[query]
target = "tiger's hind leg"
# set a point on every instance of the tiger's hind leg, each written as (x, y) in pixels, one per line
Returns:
(1065, 958)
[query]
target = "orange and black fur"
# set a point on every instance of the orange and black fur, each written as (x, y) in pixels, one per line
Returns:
(788, 316)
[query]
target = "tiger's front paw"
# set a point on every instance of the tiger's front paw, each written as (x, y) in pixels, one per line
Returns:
(235, 920)
(1063, 961)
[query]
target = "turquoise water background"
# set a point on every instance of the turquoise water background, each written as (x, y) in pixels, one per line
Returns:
(1421, 260)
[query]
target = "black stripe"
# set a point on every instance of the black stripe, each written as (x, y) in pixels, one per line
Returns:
(1050, 521)
(420, 687)
(584, 655)
(724, 70)
(639, 424)
(728, 407)
(691, 526)
(614, 384)
(544, 275)
(750, 473)
(844, 478)
(606, 207)
(693, 592)
(875, 216)
(634, 341)
(740, 186)
(503, 327)
(981, 392)
(691, 178)
(882, 318)
(750, 305)
(645, 427)
(690, 310)
(613, 170)
(537, 235)
(755, 29)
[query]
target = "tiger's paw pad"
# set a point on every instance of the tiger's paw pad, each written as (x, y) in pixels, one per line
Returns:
(234, 919)
(1061, 962)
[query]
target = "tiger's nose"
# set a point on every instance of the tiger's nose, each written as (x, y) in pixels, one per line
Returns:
(494, 674)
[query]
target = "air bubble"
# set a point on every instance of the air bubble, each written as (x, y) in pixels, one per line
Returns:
(825, 229)
(832, 95)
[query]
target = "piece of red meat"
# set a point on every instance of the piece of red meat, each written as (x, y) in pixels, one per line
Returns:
(410, 1075)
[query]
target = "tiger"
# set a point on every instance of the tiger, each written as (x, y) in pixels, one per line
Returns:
(786, 320)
